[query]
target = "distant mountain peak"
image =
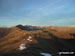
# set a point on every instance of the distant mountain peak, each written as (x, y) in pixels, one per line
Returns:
(29, 27)
(19, 25)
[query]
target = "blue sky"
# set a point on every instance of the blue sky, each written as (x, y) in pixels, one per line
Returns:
(37, 12)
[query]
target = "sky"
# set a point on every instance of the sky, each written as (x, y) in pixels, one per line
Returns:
(37, 12)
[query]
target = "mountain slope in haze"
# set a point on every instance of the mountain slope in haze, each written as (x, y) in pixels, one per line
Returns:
(43, 39)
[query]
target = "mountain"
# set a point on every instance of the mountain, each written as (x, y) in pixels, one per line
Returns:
(4, 31)
(30, 40)
(29, 27)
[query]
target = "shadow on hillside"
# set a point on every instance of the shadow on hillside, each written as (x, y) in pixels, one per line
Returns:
(51, 46)
(54, 45)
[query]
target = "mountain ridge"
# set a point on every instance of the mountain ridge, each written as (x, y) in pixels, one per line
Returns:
(49, 39)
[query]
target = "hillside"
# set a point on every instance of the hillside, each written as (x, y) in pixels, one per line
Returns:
(51, 39)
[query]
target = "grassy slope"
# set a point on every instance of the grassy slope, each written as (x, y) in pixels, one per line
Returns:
(49, 39)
